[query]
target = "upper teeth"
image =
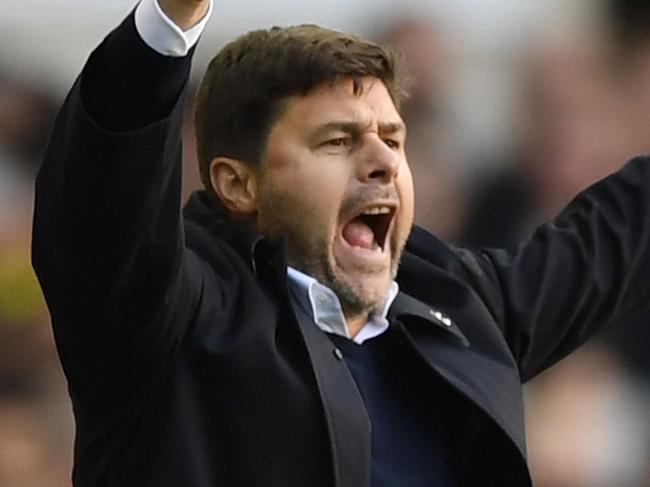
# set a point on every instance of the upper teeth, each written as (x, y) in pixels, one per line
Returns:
(376, 210)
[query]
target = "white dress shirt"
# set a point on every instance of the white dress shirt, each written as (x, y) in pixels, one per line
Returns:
(163, 35)
(324, 306)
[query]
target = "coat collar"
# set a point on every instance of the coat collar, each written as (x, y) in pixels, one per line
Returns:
(204, 209)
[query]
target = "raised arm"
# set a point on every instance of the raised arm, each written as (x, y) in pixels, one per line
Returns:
(108, 240)
(587, 269)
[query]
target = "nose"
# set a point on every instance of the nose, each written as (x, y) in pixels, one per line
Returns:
(380, 163)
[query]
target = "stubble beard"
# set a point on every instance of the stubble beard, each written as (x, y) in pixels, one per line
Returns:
(313, 259)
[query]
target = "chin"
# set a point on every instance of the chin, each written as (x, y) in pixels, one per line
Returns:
(360, 292)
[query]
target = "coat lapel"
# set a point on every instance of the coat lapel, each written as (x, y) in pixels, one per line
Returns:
(439, 339)
(346, 415)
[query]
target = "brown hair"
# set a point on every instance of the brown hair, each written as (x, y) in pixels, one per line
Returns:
(247, 82)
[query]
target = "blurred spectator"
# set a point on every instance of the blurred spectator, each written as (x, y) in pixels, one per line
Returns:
(572, 134)
(26, 116)
(34, 443)
(35, 419)
(587, 424)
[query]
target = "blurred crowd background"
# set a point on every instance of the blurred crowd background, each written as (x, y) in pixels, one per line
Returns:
(515, 106)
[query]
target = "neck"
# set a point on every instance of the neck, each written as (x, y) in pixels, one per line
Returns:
(355, 323)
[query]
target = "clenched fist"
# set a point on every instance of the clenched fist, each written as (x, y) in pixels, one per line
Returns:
(185, 13)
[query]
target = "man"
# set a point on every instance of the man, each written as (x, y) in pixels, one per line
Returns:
(265, 338)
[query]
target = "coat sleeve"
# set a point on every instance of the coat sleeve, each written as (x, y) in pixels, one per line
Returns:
(108, 243)
(587, 269)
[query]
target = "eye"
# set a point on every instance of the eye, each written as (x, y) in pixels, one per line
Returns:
(338, 142)
(392, 143)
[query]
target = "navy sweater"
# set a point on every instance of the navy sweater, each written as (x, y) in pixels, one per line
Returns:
(410, 412)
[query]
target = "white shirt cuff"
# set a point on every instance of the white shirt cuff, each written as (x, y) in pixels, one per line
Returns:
(161, 34)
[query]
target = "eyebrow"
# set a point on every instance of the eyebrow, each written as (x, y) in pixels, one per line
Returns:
(354, 128)
(392, 127)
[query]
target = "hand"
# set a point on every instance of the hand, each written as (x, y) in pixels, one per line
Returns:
(185, 13)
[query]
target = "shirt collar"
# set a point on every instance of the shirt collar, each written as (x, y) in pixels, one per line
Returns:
(324, 307)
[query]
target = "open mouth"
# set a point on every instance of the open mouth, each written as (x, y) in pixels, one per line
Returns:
(369, 229)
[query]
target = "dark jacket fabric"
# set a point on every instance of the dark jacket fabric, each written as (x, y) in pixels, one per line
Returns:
(188, 364)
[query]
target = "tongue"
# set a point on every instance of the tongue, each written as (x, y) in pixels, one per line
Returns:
(358, 234)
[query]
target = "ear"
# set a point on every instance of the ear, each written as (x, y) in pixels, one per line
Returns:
(236, 184)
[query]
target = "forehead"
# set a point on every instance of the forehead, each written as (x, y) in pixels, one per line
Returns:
(337, 100)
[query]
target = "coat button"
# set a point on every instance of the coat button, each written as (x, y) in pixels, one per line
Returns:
(442, 318)
(436, 314)
(338, 354)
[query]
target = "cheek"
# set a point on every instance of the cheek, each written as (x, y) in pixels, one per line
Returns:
(317, 190)
(300, 198)
(312, 184)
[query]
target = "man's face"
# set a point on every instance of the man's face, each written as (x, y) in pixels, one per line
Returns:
(335, 183)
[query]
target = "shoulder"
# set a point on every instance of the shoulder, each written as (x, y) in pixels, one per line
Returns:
(431, 266)
(425, 248)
